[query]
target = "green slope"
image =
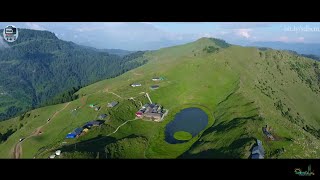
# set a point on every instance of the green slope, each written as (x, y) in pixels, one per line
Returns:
(241, 89)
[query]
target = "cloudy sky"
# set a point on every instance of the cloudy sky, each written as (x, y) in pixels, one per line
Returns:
(154, 35)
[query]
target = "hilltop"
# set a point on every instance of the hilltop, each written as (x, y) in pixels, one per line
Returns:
(240, 89)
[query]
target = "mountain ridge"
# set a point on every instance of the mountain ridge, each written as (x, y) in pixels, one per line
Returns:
(301, 48)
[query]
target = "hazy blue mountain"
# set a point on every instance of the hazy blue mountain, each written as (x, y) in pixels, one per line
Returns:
(301, 48)
(118, 52)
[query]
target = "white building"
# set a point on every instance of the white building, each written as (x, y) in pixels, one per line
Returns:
(135, 85)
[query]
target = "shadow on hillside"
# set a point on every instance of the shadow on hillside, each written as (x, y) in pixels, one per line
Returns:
(225, 126)
(94, 145)
(233, 151)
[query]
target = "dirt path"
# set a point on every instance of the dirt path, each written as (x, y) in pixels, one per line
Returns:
(164, 115)
(120, 126)
(83, 101)
(17, 150)
(107, 91)
(54, 115)
(90, 141)
(137, 74)
(115, 94)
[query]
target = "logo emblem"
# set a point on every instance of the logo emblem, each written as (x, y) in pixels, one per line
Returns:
(10, 33)
(299, 172)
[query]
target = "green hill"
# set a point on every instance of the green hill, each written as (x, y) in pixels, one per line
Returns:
(39, 66)
(240, 89)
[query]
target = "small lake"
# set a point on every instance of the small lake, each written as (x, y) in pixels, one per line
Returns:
(192, 120)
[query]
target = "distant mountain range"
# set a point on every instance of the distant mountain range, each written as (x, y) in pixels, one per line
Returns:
(119, 52)
(301, 48)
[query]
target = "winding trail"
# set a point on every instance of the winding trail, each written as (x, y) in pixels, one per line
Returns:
(83, 101)
(17, 150)
(116, 95)
(90, 141)
(120, 126)
(137, 74)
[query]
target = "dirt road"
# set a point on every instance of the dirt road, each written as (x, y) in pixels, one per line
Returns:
(116, 95)
(17, 150)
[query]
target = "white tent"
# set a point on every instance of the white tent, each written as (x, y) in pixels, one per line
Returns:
(58, 152)
(52, 156)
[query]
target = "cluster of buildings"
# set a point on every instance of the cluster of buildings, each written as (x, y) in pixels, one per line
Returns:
(153, 87)
(110, 105)
(150, 111)
(85, 128)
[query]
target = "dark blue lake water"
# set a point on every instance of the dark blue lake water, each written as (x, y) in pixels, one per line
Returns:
(192, 120)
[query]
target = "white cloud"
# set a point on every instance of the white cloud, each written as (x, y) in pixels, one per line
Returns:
(34, 26)
(245, 25)
(243, 32)
(86, 29)
(283, 39)
(206, 35)
(223, 32)
(301, 39)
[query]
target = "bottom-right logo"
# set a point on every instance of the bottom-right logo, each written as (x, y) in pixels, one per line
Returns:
(299, 172)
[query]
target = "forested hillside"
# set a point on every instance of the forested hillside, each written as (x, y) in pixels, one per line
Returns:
(39, 66)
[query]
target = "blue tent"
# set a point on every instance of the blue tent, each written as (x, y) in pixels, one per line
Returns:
(88, 125)
(78, 131)
(71, 136)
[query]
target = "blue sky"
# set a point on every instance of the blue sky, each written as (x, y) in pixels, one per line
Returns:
(155, 35)
(250, 31)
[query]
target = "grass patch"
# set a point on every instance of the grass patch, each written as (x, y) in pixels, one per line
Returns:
(182, 135)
